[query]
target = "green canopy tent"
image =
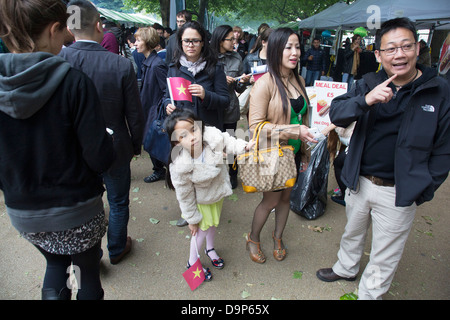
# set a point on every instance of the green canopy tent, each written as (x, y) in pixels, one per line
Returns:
(121, 17)
(292, 24)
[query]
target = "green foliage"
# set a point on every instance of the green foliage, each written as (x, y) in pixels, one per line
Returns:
(349, 296)
(239, 12)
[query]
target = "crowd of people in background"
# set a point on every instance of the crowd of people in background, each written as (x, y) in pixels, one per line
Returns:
(76, 127)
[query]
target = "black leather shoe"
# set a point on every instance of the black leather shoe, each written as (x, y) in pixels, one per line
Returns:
(154, 177)
(328, 275)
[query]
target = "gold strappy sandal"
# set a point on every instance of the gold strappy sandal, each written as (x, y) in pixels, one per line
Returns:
(256, 257)
(279, 254)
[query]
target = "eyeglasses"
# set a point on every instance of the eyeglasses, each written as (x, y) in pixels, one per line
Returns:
(194, 42)
(405, 48)
(230, 39)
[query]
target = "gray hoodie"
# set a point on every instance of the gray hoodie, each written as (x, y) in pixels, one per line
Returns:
(28, 80)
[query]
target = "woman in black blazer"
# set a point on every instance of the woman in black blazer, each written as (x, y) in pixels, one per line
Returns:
(194, 61)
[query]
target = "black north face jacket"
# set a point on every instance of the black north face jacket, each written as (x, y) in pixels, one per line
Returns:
(422, 152)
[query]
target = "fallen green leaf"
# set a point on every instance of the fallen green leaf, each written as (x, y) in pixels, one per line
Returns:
(297, 275)
(245, 294)
(154, 221)
(233, 197)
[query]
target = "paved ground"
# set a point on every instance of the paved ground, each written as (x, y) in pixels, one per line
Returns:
(154, 269)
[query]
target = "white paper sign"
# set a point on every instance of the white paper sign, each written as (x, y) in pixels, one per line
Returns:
(325, 92)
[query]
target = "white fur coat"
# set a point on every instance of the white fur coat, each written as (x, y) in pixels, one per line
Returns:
(206, 182)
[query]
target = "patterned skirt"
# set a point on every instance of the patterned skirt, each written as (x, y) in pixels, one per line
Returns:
(71, 241)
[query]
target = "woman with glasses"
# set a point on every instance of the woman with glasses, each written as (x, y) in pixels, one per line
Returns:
(222, 46)
(195, 61)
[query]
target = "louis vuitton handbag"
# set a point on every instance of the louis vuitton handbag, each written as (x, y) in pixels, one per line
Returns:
(267, 169)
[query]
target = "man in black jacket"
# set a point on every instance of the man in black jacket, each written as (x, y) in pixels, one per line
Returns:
(399, 155)
(116, 84)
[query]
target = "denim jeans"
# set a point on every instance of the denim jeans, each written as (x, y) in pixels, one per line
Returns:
(158, 166)
(346, 77)
(311, 76)
(117, 181)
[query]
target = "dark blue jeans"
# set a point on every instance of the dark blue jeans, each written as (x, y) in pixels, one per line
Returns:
(117, 182)
(311, 76)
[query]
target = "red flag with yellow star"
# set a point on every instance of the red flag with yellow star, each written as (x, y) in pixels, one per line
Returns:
(195, 275)
(178, 88)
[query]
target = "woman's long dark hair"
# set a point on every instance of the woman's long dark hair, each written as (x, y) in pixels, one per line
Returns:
(218, 35)
(275, 47)
(206, 52)
(169, 125)
(264, 36)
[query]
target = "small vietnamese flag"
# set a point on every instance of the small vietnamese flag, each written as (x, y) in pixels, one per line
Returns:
(178, 88)
(195, 275)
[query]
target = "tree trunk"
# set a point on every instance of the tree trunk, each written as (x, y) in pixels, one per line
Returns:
(165, 12)
(202, 6)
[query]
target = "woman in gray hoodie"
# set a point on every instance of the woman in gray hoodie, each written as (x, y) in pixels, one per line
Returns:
(54, 147)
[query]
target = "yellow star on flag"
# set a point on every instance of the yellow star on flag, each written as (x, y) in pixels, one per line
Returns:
(197, 273)
(181, 89)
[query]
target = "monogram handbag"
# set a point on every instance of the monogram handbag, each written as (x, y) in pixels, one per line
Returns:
(267, 169)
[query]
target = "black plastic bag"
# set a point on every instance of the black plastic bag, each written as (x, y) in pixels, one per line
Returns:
(309, 194)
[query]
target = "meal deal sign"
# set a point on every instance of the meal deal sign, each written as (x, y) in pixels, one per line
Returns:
(325, 92)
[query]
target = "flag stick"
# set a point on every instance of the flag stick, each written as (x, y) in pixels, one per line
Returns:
(170, 91)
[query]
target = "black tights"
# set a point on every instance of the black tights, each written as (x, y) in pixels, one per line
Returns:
(87, 272)
(278, 200)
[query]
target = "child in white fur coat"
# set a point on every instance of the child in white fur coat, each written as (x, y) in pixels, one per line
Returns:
(199, 175)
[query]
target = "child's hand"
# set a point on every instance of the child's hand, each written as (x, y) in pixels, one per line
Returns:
(250, 145)
(193, 228)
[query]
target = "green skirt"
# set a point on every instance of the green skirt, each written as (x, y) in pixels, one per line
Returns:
(211, 214)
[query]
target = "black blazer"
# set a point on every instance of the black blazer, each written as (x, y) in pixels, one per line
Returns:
(116, 84)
